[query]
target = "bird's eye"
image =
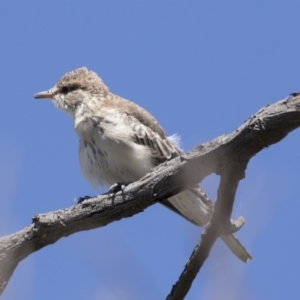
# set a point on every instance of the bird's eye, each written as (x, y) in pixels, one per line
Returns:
(65, 89)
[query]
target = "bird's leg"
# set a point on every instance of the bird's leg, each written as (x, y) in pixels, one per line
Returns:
(117, 187)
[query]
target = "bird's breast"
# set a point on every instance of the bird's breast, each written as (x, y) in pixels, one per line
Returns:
(108, 154)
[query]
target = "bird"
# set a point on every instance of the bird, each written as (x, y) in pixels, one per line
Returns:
(119, 141)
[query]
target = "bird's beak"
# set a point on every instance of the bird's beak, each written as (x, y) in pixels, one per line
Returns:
(43, 95)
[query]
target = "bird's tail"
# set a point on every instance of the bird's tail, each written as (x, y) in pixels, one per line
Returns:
(236, 247)
(195, 206)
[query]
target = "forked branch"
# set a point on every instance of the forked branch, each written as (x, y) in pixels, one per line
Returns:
(226, 155)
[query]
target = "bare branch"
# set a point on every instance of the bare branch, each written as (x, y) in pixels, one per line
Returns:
(268, 126)
(218, 225)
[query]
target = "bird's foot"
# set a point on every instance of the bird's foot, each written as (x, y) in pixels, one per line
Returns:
(117, 187)
(79, 200)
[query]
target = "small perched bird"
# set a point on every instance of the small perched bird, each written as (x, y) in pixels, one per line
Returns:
(122, 142)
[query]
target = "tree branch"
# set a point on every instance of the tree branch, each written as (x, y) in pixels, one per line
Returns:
(268, 126)
(218, 225)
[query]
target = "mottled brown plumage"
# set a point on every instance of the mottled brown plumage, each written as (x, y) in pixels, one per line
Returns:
(121, 142)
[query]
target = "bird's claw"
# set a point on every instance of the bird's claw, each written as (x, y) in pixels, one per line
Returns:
(117, 187)
(79, 200)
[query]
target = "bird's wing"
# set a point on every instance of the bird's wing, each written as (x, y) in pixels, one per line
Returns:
(162, 149)
(147, 131)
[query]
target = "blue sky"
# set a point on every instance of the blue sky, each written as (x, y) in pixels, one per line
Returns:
(201, 68)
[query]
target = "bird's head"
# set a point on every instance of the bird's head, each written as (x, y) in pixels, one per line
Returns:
(74, 89)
